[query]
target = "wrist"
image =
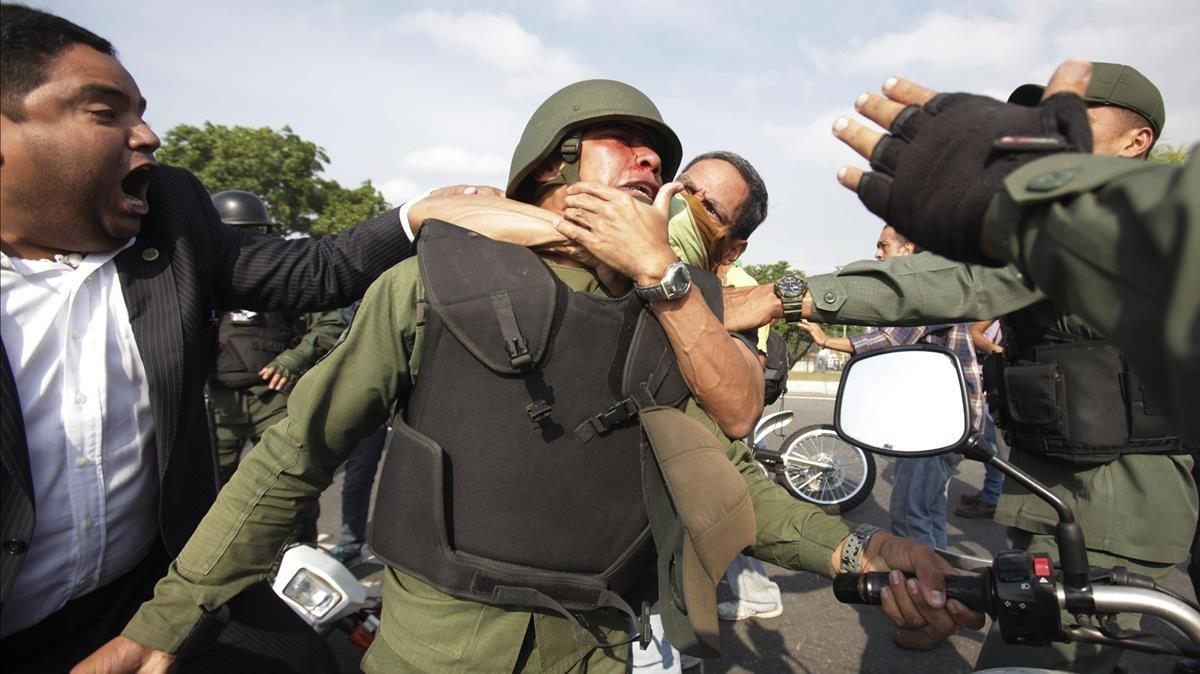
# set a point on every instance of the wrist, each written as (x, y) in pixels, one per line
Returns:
(652, 273)
(857, 548)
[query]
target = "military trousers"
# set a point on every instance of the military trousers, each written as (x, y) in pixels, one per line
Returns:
(242, 415)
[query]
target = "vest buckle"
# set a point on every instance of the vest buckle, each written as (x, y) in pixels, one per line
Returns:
(539, 412)
(518, 352)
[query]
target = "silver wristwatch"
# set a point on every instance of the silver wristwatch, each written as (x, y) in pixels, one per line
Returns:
(675, 283)
(856, 544)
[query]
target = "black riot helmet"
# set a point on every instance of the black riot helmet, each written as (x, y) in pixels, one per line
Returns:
(243, 209)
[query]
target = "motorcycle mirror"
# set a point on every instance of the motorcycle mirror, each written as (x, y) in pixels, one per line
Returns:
(905, 401)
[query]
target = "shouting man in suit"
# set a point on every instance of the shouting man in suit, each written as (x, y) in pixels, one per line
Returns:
(114, 271)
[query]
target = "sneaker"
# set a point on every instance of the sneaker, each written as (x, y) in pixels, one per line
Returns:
(346, 553)
(978, 511)
(689, 661)
(733, 611)
(970, 499)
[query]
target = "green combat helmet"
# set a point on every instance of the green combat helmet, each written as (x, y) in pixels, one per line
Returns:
(558, 123)
(243, 209)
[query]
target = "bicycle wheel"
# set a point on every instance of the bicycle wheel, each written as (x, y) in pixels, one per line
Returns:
(825, 470)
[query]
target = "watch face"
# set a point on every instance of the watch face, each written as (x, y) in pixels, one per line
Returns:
(789, 286)
(677, 280)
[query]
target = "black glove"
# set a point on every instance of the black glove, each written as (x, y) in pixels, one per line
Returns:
(939, 168)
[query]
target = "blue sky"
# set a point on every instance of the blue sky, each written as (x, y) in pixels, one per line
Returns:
(414, 95)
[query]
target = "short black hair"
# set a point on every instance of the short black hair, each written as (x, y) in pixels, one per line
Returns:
(754, 210)
(29, 41)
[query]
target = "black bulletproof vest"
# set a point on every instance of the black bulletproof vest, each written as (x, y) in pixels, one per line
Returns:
(1067, 393)
(248, 341)
(515, 472)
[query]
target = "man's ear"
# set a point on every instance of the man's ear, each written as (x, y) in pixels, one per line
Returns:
(734, 249)
(1138, 142)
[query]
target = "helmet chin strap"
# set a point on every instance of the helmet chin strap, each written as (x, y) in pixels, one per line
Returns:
(568, 173)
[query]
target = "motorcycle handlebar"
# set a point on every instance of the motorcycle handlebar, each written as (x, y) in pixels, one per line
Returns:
(863, 588)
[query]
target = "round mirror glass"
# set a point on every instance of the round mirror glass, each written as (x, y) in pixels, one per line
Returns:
(904, 401)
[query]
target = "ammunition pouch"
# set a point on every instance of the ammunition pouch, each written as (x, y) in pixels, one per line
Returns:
(1078, 402)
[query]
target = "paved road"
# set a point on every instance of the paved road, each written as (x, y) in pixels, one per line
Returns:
(817, 634)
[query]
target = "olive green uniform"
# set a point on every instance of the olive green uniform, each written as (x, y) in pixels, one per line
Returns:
(244, 413)
(349, 394)
(1140, 510)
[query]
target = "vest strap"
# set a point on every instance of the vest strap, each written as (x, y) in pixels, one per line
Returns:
(620, 412)
(514, 341)
(509, 595)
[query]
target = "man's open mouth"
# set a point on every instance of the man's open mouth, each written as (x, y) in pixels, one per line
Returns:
(134, 187)
(644, 191)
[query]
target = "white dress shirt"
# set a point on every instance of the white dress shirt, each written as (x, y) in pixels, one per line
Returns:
(86, 405)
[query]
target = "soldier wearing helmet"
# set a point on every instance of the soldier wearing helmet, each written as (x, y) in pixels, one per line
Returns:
(260, 355)
(544, 452)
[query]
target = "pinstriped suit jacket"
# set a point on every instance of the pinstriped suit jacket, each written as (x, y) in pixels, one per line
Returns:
(183, 270)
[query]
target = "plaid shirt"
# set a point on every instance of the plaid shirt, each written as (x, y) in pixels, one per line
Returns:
(954, 336)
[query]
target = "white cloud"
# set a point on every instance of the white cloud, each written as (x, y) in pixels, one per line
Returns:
(574, 10)
(811, 141)
(950, 41)
(452, 160)
(499, 41)
(398, 190)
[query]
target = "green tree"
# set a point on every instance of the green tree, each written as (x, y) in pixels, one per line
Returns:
(1169, 154)
(279, 166)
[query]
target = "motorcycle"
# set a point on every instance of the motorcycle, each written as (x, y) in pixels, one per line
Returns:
(814, 464)
(327, 595)
(901, 402)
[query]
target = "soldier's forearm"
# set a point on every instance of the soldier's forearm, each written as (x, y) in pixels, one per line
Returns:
(494, 217)
(752, 307)
(723, 375)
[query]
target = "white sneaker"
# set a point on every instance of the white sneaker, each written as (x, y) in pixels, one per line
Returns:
(688, 661)
(733, 611)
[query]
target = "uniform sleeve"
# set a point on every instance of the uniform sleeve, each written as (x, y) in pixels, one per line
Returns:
(917, 290)
(324, 330)
(341, 400)
(1117, 242)
(791, 533)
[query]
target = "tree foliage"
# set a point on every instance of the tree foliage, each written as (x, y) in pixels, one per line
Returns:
(1169, 154)
(280, 166)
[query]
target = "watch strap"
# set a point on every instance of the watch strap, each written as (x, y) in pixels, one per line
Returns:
(652, 293)
(855, 545)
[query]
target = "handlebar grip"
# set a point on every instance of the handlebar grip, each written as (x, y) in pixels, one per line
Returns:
(863, 588)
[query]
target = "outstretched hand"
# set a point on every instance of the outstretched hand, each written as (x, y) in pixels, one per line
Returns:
(943, 156)
(625, 234)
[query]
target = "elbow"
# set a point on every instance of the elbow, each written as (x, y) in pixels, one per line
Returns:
(739, 424)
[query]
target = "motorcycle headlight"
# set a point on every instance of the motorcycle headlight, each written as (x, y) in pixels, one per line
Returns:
(312, 593)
